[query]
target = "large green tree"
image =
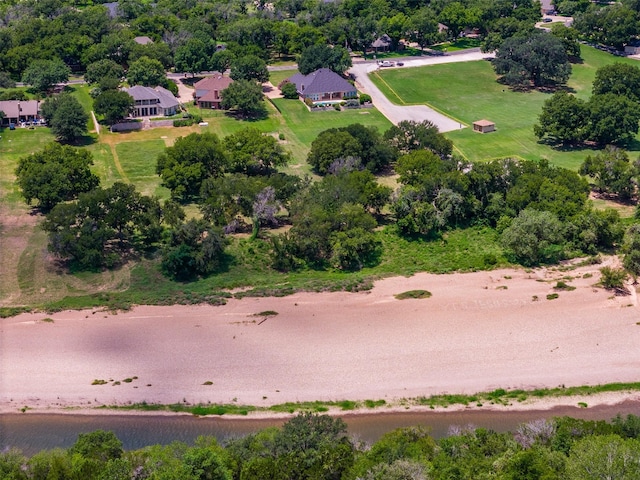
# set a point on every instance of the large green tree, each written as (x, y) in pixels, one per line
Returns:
(563, 119)
(106, 73)
(249, 67)
(612, 172)
(103, 227)
(55, 174)
(324, 56)
(192, 56)
(618, 78)
(185, 165)
(612, 119)
(65, 116)
(245, 97)
(410, 135)
(113, 105)
(534, 237)
(194, 249)
(146, 72)
(252, 152)
(44, 74)
(537, 60)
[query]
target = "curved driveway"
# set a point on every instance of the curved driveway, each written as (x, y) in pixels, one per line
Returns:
(397, 113)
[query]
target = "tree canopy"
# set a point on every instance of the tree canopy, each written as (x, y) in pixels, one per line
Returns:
(324, 56)
(113, 105)
(65, 116)
(42, 75)
(245, 97)
(185, 165)
(537, 60)
(55, 174)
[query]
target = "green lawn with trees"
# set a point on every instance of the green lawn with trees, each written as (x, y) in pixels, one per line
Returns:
(447, 89)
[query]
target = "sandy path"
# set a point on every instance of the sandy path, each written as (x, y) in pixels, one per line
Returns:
(478, 331)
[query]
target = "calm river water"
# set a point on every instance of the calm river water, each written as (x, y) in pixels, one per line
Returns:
(32, 432)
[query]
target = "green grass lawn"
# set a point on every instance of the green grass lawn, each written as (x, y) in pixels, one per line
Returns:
(277, 76)
(448, 89)
(138, 160)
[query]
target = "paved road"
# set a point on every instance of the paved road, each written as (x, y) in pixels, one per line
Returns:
(397, 113)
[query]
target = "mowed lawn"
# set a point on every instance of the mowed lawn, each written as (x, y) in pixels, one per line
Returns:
(469, 91)
(138, 161)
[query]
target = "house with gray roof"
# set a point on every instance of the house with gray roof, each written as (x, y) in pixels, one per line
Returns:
(18, 111)
(323, 85)
(153, 102)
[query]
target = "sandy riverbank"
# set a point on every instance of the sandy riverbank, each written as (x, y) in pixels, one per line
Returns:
(478, 332)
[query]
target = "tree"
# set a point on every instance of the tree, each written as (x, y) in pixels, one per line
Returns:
(315, 57)
(612, 172)
(604, 456)
(106, 73)
(534, 237)
(65, 116)
(618, 78)
(221, 60)
(194, 249)
(103, 227)
(245, 97)
(146, 72)
(538, 59)
(192, 57)
(6, 81)
(98, 445)
(423, 27)
(252, 152)
(330, 146)
(44, 74)
(410, 135)
(612, 119)
(114, 105)
(569, 38)
(249, 67)
(289, 90)
(563, 119)
(56, 174)
(456, 17)
(185, 165)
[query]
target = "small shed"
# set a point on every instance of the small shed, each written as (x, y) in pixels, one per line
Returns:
(484, 126)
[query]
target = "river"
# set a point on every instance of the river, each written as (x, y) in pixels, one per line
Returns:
(31, 432)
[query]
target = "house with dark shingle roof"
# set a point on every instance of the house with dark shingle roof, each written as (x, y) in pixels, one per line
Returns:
(152, 102)
(323, 85)
(208, 92)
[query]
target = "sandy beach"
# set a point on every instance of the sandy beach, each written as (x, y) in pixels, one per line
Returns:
(478, 332)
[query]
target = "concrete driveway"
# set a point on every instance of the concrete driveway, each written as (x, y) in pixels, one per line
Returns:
(397, 113)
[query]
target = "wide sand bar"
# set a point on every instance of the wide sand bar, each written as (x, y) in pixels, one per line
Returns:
(478, 331)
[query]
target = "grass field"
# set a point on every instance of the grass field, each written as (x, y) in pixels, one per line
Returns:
(448, 89)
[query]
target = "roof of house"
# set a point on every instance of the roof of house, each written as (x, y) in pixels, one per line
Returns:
(320, 81)
(483, 123)
(112, 7)
(144, 40)
(165, 97)
(207, 87)
(381, 42)
(18, 108)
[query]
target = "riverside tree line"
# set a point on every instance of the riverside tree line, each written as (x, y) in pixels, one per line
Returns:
(318, 447)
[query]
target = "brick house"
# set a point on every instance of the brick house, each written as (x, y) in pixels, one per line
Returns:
(208, 92)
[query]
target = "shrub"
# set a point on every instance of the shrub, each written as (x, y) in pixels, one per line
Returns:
(288, 90)
(612, 278)
(281, 136)
(365, 98)
(308, 102)
(336, 106)
(413, 294)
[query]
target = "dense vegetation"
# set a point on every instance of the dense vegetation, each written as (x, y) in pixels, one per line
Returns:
(318, 447)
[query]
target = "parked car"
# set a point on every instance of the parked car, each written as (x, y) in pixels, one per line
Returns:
(386, 63)
(400, 64)
(547, 20)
